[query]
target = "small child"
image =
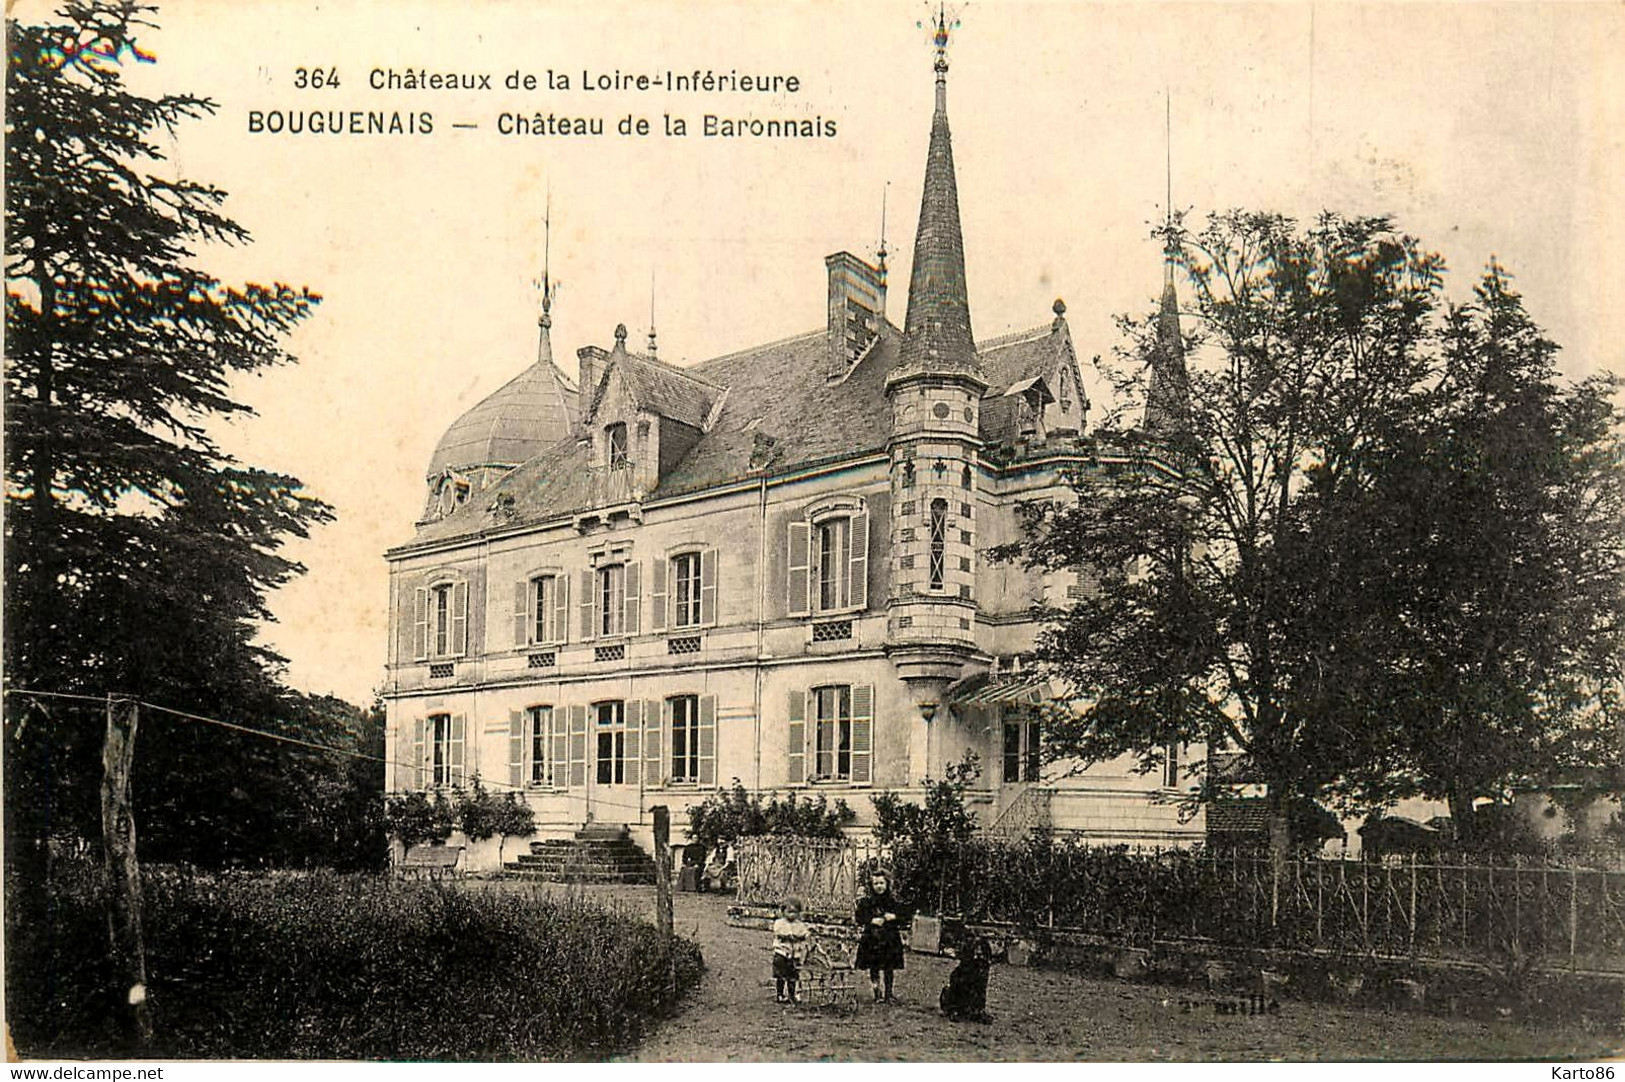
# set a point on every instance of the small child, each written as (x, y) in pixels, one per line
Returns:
(790, 938)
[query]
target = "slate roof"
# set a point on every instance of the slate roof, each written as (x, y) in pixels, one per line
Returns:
(510, 425)
(1012, 358)
(1238, 815)
(776, 392)
(663, 389)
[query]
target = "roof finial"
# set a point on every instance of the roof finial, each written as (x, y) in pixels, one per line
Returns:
(547, 259)
(942, 25)
(652, 346)
(1170, 241)
(885, 188)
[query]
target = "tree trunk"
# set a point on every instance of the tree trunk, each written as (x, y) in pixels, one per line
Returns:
(1461, 816)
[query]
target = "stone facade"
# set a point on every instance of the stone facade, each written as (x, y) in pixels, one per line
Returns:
(767, 567)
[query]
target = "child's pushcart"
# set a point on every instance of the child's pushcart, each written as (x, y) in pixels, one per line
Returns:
(827, 976)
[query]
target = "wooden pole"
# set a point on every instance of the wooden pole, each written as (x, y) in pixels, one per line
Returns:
(663, 919)
(123, 873)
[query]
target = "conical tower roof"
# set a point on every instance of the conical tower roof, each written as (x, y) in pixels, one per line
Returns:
(937, 333)
(1168, 398)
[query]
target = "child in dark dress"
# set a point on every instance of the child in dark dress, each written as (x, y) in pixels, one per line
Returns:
(882, 916)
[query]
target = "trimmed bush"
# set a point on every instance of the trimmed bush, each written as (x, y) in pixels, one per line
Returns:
(328, 966)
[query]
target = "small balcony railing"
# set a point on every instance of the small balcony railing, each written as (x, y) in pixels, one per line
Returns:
(611, 485)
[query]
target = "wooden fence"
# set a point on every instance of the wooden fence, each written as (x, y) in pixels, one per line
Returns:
(1572, 918)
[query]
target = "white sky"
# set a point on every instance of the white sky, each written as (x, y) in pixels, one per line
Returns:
(1483, 129)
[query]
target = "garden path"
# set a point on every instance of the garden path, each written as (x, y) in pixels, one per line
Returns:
(1039, 1014)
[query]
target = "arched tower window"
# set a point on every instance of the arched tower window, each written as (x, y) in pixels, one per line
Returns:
(939, 539)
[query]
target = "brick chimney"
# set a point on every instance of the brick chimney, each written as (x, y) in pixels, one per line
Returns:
(857, 310)
(591, 367)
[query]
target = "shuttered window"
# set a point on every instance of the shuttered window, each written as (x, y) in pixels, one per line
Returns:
(440, 620)
(1022, 746)
(828, 564)
(685, 575)
(443, 750)
(832, 737)
(831, 734)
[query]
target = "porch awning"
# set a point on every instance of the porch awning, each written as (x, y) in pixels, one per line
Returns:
(986, 689)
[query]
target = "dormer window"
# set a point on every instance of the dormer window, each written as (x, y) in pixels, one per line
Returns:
(615, 439)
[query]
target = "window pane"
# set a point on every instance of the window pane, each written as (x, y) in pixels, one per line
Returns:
(686, 570)
(1032, 751)
(1012, 752)
(939, 537)
(544, 609)
(833, 540)
(611, 594)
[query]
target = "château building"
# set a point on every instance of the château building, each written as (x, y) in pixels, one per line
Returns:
(632, 588)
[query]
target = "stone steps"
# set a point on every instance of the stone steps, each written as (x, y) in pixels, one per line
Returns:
(597, 854)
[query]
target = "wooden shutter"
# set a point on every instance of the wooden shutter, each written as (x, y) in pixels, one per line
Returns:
(800, 572)
(459, 618)
(420, 753)
(708, 587)
(523, 593)
(561, 608)
(708, 740)
(863, 733)
(796, 739)
(657, 594)
(656, 720)
(420, 624)
(632, 754)
(560, 740)
(589, 607)
(858, 565)
(629, 621)
(516, 747)
(578, 745)
(456, 755)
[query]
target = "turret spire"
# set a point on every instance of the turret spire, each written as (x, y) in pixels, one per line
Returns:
(937, 333)
(544, 347)
(1168, 398)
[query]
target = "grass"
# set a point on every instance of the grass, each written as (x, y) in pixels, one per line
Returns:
(321, 965)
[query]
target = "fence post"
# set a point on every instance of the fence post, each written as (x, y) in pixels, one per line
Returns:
(1574, 916)
(1320, 906)
(123, 871)
(1411, 946)
(663, 918)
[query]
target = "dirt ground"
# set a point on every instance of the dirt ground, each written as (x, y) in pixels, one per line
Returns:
(1041, 1014)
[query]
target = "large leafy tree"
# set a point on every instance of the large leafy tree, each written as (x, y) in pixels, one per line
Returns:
(1379, 551)
(1230, 586)
(139, 554)
(1503, 522)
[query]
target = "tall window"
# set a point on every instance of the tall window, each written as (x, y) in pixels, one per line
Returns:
(615, 435)
(834, 550)
(939, 540)
(611, 743)
(611, 598)
(685, 738)
(539, 728)
(1170, 767)
(685, 569)
(440, 750)
(833, 742)
(544, 600)
(440, 618)
(1022, 744)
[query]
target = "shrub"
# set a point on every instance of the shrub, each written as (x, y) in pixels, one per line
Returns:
(321, 965)
(724, 818)
(414, 818)
(928, 842)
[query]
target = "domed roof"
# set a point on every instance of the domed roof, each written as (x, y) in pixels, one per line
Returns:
(513, 424)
